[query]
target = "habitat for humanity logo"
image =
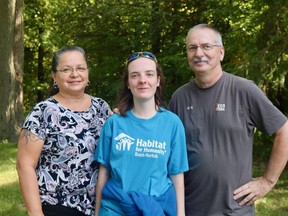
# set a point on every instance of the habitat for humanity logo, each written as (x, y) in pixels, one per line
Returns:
(124, 142)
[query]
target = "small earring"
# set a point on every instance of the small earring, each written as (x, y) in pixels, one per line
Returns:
(55, 86)
(88, 83)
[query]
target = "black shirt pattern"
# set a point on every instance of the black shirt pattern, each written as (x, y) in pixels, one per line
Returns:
(64, 172)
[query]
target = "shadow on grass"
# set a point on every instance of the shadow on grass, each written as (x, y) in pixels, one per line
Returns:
(284, 209)
(264, 210)
(275, 203)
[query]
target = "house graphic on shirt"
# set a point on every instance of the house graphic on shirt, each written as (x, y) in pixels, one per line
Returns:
(124, 142)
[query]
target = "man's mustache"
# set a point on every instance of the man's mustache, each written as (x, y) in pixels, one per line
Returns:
(196, 60)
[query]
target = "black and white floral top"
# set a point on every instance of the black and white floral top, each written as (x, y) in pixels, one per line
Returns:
(64, 172)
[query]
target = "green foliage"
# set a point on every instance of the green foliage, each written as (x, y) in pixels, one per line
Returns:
(254, 35)
(263, 146)
(110, 30)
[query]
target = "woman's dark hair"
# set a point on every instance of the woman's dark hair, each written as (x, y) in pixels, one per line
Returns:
(125, 98)
(57, 55)
(56, 58)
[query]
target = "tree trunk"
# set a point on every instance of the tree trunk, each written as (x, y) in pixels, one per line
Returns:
(40, 65)
(11, 69)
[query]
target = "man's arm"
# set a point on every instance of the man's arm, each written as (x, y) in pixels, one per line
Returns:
(259, 187)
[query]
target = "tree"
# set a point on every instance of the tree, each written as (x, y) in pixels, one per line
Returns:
(11, 62)
(37, 73)
(109, 30)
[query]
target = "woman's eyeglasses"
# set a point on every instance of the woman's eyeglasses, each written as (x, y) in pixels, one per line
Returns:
(137, 55)
(70, 70)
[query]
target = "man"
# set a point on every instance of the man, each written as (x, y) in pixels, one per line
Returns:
(220, 112)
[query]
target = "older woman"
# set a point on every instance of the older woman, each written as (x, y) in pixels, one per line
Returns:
(58, 141)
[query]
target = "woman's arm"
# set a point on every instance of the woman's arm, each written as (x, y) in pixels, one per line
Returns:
(103, 177)
(29, 150)
(178, 182)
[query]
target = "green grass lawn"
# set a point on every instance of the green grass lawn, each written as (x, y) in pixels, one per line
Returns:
(273, 204)
(10, 198)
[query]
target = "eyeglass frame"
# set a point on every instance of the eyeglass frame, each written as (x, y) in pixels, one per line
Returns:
(204, 47)
(70, 70)
(137, 55)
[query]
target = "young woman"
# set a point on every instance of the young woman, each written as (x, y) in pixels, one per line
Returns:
(141, 151)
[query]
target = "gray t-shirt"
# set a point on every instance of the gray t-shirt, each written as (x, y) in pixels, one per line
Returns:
(219, 123)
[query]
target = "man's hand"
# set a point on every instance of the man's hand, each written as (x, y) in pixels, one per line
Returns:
(253, 190)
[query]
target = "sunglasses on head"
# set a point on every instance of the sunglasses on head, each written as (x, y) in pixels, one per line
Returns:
(137, 55)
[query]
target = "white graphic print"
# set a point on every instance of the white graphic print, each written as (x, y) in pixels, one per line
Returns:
(143, 148)
(124, 141)
(150, 148)
(219, 107)
(189, 107)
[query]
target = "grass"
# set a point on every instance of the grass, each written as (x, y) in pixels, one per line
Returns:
(11, 203)
(274, 203)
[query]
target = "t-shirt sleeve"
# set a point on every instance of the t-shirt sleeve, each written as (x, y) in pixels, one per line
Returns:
(103, 108)
(35, 123)
(171, 105)
(178, 161)
(102, 153)
(266, 117)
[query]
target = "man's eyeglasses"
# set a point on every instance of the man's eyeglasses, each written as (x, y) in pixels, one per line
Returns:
(204, 47)
(70, 70)
(137, 55)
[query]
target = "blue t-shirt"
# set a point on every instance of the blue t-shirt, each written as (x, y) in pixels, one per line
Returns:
(141, 153)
